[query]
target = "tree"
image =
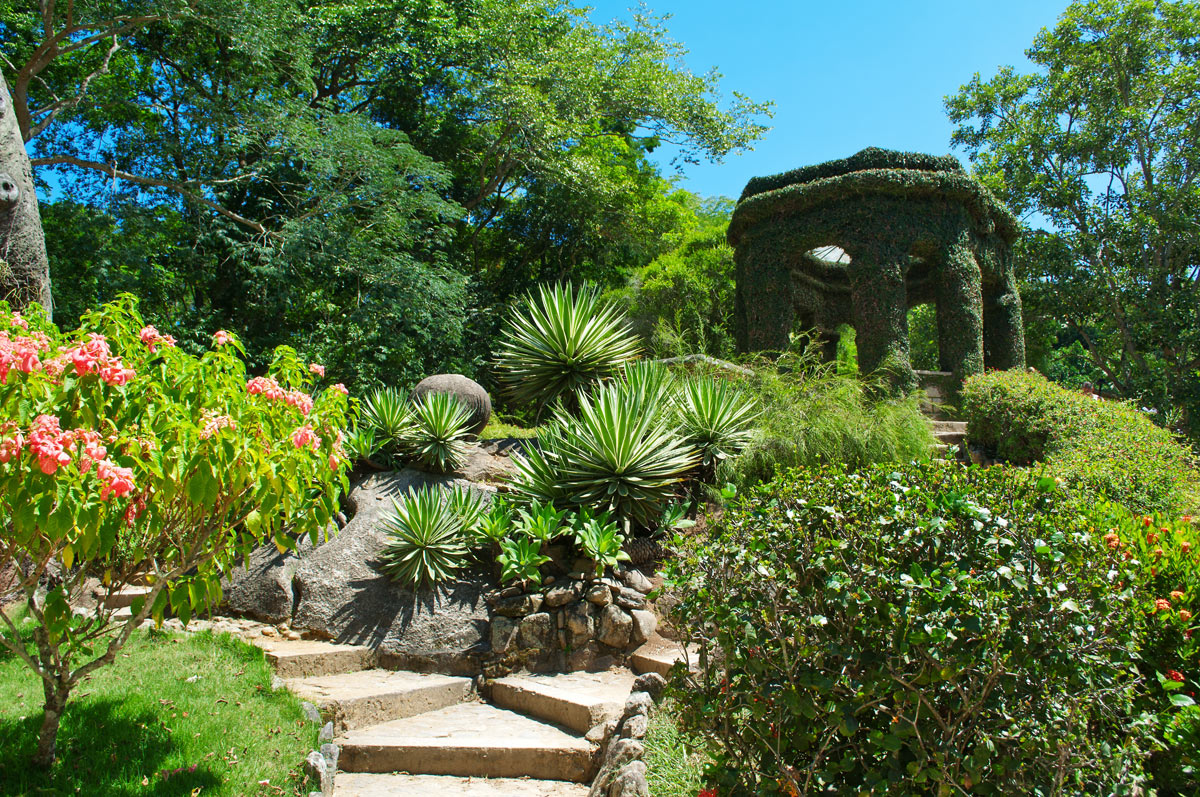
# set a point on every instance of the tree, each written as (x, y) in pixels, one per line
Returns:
(1100, 150)
(24, 269)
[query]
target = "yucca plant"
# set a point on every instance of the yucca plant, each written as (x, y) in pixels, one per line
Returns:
(541, 522)
(438, 437)
(425, 539)
(468, 507)
(715, 417)
(521, 559)
(560, 342)
(599, 540)
(620, 455)
(360, 444)
(386, 412)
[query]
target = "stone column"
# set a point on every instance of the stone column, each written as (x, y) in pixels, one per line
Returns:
(877, 274)
(1003, 328)
(763, 309)
(959, 310)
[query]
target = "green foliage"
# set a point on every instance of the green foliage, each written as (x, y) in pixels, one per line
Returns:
(360, 443)
(599, 540)
(715, 418)
(468, 506)
(439, 432)
(425, 539)
(923, 630)
(811, 414)
(521, 559)
(493, 526)
(541, 522)
(125, 458)
(673, 768)
(1103, 449)
(385, 420)
(1098, 140)
(560, 342)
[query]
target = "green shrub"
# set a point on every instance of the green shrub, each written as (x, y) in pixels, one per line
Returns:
(928, 630)
(560, 342)
(1102, 449)
(811, 414)
(425, 544)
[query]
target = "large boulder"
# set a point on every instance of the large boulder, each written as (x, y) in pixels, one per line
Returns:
(469, 393)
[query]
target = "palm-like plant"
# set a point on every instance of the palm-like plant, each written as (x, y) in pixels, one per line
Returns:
(493, 526)
(438, 437)
(560, 342)
(425, 539)
(716, 418)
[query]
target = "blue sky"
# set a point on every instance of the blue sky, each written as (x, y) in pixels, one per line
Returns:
(843, 75)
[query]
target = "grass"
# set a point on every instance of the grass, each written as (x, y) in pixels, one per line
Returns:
(497, 429)
(139, 727)
(673, 769)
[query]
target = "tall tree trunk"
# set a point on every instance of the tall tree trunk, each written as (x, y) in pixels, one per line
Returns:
(24, 269)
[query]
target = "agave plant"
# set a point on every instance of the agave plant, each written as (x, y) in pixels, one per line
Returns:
(360, 443)
(493, 526)
(521, 559)
(425, 539)
(541, 522)
(599, 540)
(385, 412)
(620, 455)
(716, 418)
(438, 437)
(560, 342)
(467, 506)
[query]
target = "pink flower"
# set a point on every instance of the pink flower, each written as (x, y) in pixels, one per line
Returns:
(1185, 546)
(1112, 540)
(334, 464)
(299, 400)
(1162, 605)
(707, 793)
(151, 337)
(115, 374)
(1152, 538)
(340, 388)
(1185, 615)
(10, 447)
(214, 423)
(46, 442)
(266, 386)
(117, 481)
(221, 338)
(1176, 595)
(17, 321)
(304, 436)
(1147, 522)
(317, 369)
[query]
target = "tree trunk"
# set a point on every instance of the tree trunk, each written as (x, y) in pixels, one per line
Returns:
(24, 269)
(52, 711)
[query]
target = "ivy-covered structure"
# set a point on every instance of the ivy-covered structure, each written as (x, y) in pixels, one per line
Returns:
(914, 229)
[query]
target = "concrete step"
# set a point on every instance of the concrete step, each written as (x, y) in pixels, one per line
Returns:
(470, 740)
(124, 598)
(577, 700)
(304, 658)
(660, 654)
(362, 784)
(357, 699)
(949, 427)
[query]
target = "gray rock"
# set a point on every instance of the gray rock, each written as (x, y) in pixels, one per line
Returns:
(504, 633)
(470, 394)
(518, 605)
(629, 598)
(601, 731)
(615, 627)
(326, 734)
(635, 579)
(651, 683)
(315, 768)
(341, 595)
(579, 619)
(637, 703)
(537, 631)
(620, 753)
(635, 727)
(561, 596)
(630, 781)
(276, 683)
(599, 595)
(330, 752)
(261, 587)
(644, 624)
(310, 712)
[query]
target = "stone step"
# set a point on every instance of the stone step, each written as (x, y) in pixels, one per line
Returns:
(949, 427)
(357, 699)
(304, 658)
(577, 700)
(125, 597)
(660, 654)
(363, 784)
(470, 740)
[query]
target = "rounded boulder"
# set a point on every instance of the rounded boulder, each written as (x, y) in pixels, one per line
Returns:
(470, 394)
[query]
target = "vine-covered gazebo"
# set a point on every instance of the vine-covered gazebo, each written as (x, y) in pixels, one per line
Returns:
(862, 240)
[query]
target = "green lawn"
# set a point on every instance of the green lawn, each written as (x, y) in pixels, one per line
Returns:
(139, 727)
(499, 429)
(673, 768)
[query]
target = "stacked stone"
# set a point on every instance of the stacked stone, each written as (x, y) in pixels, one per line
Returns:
(575, 623)
(622, 770)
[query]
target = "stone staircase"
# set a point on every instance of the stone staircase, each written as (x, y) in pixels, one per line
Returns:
(949, 433)
(419, 734)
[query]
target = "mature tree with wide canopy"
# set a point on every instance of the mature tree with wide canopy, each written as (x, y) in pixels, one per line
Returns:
(1100, 149)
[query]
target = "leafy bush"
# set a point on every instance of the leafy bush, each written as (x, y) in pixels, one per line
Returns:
(563, 341)
(811, 415)
(438, 438)
(425, 544)
(932, 630)
(123, 458)
(1103, 449)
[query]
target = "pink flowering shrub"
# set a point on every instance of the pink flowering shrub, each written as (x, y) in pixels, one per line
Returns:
(125, 460)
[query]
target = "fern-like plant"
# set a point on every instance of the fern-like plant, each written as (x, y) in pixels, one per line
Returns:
(438, 438)
(560, 342)
(424, 539)
(715, 417)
